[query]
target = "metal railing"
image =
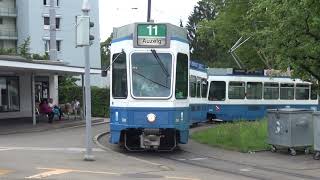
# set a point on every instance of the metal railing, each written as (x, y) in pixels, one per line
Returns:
(8, 33)
(8, 11)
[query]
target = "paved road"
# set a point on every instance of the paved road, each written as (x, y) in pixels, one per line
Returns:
(262, 165)
(58, 154)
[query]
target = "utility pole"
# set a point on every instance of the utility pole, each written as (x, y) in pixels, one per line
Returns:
(149, 11)
(53, 38)
(88, 156)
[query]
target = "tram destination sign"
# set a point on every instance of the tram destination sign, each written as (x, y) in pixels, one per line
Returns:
(151, 35)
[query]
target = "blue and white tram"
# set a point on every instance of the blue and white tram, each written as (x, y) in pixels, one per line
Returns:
(149, 91)
(234, 97)
(198, 86)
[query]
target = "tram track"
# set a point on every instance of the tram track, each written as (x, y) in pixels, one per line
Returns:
(237, 171)
(214, 163)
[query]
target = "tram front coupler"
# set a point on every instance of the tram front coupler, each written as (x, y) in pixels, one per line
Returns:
(150, 139)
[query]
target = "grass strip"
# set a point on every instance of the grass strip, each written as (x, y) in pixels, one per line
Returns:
(243, 136)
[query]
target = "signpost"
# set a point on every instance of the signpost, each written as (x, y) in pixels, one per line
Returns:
(152, 35)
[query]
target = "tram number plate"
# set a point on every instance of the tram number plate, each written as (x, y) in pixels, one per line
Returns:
(152, 34)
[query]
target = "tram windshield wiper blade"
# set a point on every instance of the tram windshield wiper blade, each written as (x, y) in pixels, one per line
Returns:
(155, 54)
(108, 68)
(150, 79)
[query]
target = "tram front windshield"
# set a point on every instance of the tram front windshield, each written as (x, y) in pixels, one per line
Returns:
(151, 74)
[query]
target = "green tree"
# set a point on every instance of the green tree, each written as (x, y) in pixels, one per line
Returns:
(24, 48)
(227, 27)
(288, 33)
(204, 10)
(105, 52)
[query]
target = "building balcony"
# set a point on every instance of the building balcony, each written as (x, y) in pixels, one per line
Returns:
(8, 35)
(8, 12)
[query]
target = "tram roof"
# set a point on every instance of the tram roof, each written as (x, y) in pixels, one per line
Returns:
(198, 66)
(128, 31)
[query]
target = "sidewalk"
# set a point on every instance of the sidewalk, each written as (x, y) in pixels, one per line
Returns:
(24, 125)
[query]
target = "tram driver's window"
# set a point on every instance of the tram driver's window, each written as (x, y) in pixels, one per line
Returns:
(119, 76)
(217, 91)
(182, 76)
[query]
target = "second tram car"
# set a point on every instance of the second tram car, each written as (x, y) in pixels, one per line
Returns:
(247, 97)
(149, 105)
(198, 93)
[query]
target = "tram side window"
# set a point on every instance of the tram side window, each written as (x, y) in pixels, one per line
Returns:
(193, 86)
(217, 91)
(302, 91)
(198, 88)
(271, 91)
(314, 92)
(287, 91)
(119, 76)
(236, 90)
(182, 76)
(204, 88)
(254, 90)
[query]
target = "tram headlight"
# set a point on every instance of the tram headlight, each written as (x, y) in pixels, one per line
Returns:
(151, 117)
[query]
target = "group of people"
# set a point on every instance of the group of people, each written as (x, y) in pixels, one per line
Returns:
(49, 108)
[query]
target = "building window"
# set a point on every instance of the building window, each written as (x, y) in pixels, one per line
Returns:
(47, 45)
(46, 23)
(1, 21)
(47, 2)
(9, 94)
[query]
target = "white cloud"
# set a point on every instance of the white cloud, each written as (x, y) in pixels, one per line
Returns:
(115, 13)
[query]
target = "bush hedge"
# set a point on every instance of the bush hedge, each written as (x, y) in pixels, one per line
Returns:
(99, 98)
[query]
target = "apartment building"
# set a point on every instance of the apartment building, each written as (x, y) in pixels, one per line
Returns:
(25, 82)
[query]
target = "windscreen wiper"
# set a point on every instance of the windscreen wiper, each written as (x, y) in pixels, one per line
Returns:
(116, 58)
(155, 54)
(150, 79)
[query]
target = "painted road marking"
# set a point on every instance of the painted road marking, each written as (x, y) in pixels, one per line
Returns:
(53, 171)
(180, 178)
(49, 173)
(245, 170)
(72, 149)
(5, 149)
(197, 159)
(4, 172)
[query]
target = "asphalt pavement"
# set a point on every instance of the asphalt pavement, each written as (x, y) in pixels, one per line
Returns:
(59, 153)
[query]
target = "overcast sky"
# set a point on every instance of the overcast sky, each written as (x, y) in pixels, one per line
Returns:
(115, 13)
